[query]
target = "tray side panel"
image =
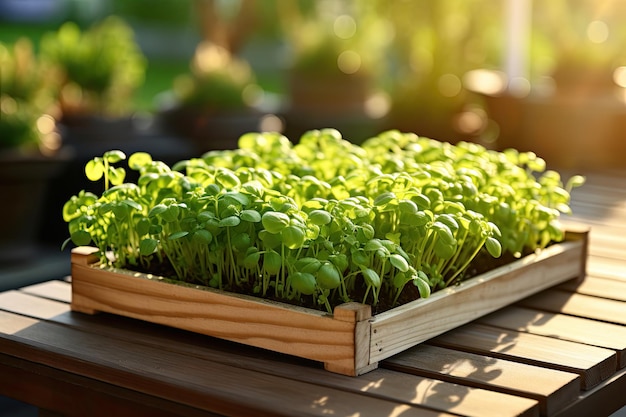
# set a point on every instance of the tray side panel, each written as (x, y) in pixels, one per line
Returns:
(262, 324)
(413, 323)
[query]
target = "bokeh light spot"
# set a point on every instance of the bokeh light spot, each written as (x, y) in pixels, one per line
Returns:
(471, 121)
(619, 76)
(8, 105)
(349, 62)
(46, 124)
(271, 123)
(485, 81)
(377, 105)
(449, 85)
(252, 94)
(344, 26)
(598, 31)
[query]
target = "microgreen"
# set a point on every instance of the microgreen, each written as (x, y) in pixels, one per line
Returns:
(324, 221)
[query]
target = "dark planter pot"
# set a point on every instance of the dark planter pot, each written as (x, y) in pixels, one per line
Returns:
(208, 130)
(80, 129)
(576, 81)
(24, 182)
(327, 101)
(568, 133)
(328, 94)
(443, 126)
(425, 111)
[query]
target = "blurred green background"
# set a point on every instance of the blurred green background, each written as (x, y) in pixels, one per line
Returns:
(417, 53)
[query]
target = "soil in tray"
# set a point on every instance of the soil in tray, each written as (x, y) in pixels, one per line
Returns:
(481, 264)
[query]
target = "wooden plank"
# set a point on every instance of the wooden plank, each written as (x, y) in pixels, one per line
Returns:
(580, 305)
(384, 384)
(603, 400)
(395, 330)
(553, 389)
(575, 329)
(190, 380)
(601, 220)
(601, 196)
(112, 327)
(609, 186)
(15, 301)
(607, 247)
(71, 395)
(592, 363)
(616, 207)
(598, 287)
(441, 395)
(606, 267)
(601, 224)
(11, 324)
(592, 210)
(54, 290)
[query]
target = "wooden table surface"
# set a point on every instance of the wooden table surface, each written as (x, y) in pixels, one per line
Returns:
(561, 352)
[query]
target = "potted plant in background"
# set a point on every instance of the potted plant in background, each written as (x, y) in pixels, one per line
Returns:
(573, 113)
(335, 58)
(436, 44)
(31, 154)
(218, 99)
(100, 69)
(216, 102)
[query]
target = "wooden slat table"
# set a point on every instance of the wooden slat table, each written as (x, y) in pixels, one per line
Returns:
(558, 353)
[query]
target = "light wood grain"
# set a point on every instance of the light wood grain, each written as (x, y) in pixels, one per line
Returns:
(10, 323)
(297, 331)
(15, 301)
(456, 398)
(350, 343)
(607, 267)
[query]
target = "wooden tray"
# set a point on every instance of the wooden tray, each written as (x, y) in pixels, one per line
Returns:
(350, 341)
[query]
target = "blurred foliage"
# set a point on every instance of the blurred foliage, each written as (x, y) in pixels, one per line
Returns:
(169, 13)
(435, 44)
(334, 37)
(417, 50)
(582, 34)
(25, 76)
(449, 36)
(27, 93)
(101, 66)
(217, 80)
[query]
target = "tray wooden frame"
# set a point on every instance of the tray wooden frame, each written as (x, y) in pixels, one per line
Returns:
(351, 341)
